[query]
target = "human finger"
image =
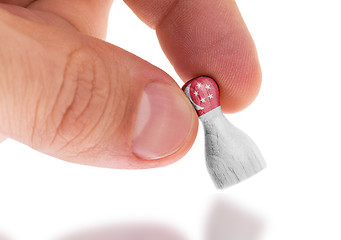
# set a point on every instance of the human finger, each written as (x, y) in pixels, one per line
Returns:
(83, 100)
(87, 16)
(206, 38)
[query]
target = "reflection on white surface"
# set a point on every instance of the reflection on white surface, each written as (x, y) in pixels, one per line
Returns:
(229, 222)
(226, 221)
(128, 232)
(2, 237)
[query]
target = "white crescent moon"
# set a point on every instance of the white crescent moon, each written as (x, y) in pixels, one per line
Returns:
(197, 107)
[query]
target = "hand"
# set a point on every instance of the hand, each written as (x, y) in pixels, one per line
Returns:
(66, 93)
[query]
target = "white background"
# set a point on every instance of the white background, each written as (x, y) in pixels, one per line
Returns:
(295, 121)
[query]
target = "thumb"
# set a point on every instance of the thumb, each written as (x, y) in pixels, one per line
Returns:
(80, 99)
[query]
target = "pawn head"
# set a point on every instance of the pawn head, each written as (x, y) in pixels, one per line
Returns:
(203, 92)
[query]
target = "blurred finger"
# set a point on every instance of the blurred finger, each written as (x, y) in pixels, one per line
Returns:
(21, 3)
(88, 16)
(2, 137)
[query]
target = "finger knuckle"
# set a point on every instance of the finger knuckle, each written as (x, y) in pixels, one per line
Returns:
(81, 101)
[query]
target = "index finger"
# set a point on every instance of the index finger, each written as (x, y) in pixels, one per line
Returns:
(206, 38)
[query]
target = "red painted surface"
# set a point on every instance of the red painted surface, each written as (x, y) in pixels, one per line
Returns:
(204, 93)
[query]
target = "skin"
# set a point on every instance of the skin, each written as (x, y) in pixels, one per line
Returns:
(53, 50)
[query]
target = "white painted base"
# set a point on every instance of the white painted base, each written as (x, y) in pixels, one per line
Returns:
(231, 155)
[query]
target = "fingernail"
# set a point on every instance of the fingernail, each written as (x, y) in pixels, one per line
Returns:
(164, 121)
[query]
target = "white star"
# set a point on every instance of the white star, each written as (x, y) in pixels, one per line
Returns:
(199, 85)
(208, 87)
(196, 93)
(210, 96)
(203, 100)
